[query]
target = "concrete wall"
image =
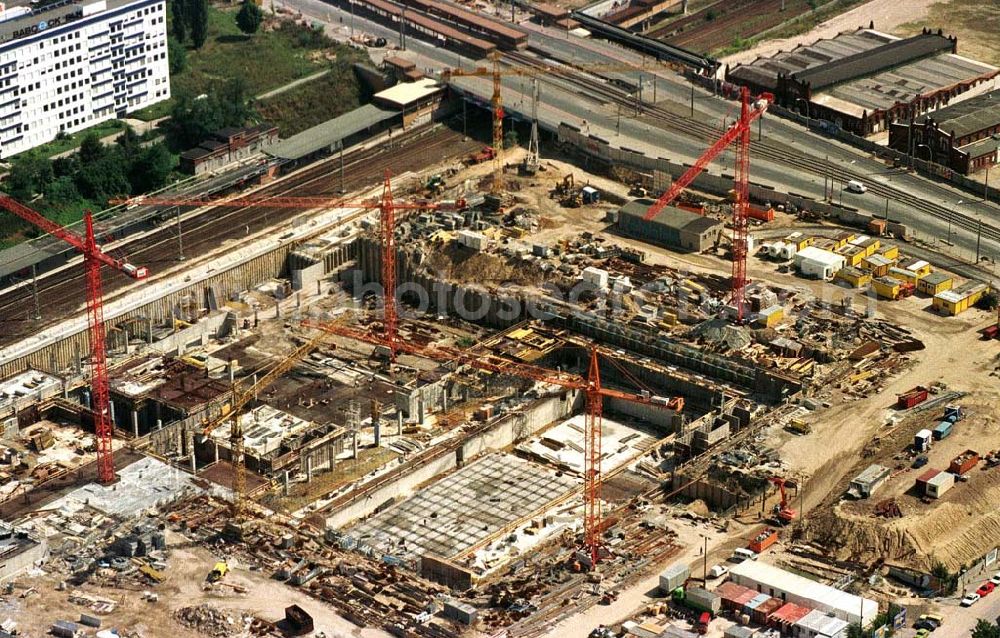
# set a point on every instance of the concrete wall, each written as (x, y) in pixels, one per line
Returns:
(506, 430)
(12, 566)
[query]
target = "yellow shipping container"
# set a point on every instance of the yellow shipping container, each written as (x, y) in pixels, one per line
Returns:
(855, 277)
(879, 265)
(889, 252)
(957, 301)
(887, 287)
(853, 254)
(902, 274)
(935, 283)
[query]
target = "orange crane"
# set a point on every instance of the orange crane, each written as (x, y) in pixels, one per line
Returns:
(749, 112)
(591, 386)
(93, 259)
(782, 512)
(387, 226)
(240, 399)
(497, 72)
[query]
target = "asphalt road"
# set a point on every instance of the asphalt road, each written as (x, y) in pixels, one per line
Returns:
(561, 101)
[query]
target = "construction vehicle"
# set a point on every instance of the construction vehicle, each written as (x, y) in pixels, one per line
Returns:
(220, 569)
(434, 184)
(783, 514)
(567, 193)
(483, 155)
(798, 426)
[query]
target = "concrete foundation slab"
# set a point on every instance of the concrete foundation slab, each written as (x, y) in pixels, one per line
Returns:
(463, 508)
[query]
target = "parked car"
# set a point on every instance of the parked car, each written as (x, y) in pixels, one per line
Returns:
(922, 633)
(856, 187)
(926, 623)
(995, 579)
(970, 599)
(986, 589)
(919, 462)
(938, 619)
(718, 571)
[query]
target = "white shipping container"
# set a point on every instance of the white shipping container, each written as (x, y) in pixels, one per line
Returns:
(595, 276)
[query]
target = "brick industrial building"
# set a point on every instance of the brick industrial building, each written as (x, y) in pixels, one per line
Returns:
(863, 80)
(963, 136)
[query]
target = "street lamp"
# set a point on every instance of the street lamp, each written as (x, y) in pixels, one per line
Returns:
(806, 102)
(930, 151)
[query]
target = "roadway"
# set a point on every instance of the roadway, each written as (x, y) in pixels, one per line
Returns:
(788, 156)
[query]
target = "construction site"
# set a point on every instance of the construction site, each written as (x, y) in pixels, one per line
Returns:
(441, 384)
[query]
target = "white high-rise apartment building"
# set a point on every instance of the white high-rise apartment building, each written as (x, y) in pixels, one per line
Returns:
(67, 65)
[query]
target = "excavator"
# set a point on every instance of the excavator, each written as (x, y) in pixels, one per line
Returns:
(783, 514)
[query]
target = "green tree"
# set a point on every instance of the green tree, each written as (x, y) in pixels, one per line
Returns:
(510, 139)
(105, 178)
(197, 16)
(985, 629)
(249, 17)
(989, 300)
(179, 20)
(177, 55)
(29, 175)
(151, 169)
(91, 149)
(62, 191)
(130, 144)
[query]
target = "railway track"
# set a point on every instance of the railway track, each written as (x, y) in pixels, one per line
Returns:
(598, 85)
(62, 294)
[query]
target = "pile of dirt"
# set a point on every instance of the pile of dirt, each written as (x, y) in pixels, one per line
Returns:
(465, 266)
(209, 621)
(956, 531)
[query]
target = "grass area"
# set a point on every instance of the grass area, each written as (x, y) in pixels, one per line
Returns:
(801, 24)
(976, 23)
(73, 141)
(312, 103)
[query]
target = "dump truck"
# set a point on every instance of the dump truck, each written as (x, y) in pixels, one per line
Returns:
(485, 154)
(220, 570)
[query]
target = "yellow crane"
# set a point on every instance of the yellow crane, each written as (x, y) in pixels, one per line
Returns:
(240, 399)
(497, 72)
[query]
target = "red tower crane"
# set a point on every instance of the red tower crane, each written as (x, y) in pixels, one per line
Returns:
(749, 112)
(387, 230)
(591, 386)
(93, 259)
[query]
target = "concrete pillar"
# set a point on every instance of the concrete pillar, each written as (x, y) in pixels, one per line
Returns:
(77, 358)
(399, 423)
(135, 423)
(111, 412)
(216, 450)
(149, 330)
(159, 424)
(444, 400)
(420, 408)
(298, 299)
(354, 445)
(256, 320)
(319, 288)
(190, 450)
(277, 308)
(232, 371)
(309, 468)
(286, 482)
(377, 426)
(65, 389)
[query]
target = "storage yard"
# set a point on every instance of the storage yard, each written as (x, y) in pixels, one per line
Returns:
(608, 395)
